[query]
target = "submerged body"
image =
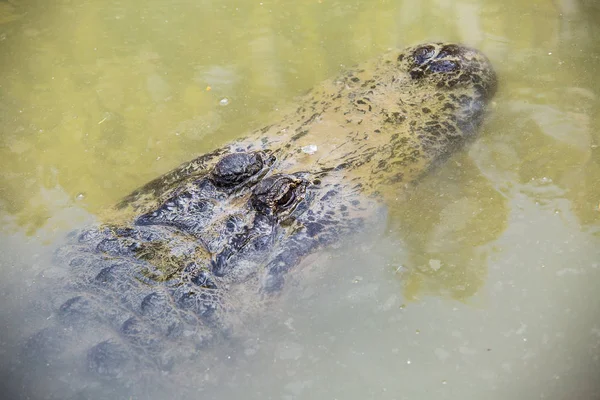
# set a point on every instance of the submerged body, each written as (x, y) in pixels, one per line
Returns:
(192, 254)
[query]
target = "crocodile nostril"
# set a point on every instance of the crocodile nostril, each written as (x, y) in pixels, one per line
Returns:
(443, 66)
(423, 54)
(449, 50)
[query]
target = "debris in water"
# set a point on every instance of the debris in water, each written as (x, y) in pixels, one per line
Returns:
(224, 101)
(310, 149)
(400, 269)
(435, 264)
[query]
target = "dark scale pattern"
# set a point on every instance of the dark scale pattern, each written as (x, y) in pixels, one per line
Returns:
(209, 243)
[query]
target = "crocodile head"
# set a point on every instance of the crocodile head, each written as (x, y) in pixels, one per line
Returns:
(229, 225)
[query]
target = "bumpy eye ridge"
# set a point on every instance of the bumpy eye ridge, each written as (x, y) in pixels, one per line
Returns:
(234, 169)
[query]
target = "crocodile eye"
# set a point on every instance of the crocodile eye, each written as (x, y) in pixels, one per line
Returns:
(423, 54)
(278, 193)
(288, 198)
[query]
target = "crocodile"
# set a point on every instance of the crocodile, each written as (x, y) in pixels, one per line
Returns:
(187, 258)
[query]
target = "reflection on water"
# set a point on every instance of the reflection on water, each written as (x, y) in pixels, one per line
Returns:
(97, 98)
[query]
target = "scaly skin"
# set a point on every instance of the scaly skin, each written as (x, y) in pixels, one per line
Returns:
(194, 253)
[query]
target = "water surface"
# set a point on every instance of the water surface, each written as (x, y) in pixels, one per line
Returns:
(481, 284)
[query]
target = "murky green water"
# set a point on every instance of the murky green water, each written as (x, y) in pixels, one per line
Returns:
(483, 284)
